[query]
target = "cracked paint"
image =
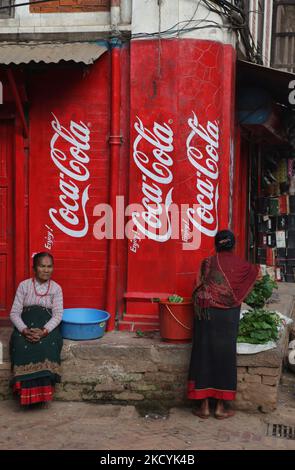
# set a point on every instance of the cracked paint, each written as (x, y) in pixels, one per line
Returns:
(193, 79)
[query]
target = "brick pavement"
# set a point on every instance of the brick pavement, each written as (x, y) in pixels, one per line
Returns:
(76, 425)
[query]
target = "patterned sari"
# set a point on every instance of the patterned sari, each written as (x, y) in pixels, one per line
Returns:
(35, 366)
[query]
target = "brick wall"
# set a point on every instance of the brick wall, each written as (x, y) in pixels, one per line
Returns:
(70, 6)
(120, 368)
(123, 369)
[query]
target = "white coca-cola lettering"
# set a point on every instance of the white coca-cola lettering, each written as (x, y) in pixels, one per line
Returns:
(158, 173)
(66, 217)
(207, 174)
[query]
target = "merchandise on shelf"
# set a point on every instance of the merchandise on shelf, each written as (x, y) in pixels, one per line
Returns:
(275, 218)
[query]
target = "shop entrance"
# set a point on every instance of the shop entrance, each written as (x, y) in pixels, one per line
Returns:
(267, 125)
(272, 210)
(6, 216)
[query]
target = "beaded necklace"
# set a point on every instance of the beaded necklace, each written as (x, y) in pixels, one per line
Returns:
(35, 290)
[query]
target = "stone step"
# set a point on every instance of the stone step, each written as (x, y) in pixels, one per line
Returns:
(133, 318)
(5, 334)
(133, 326)
(4, 367)
(5, 374)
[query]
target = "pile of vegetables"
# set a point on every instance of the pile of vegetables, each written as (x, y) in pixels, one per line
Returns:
(175, 299)
(261, 292)
(259, 325)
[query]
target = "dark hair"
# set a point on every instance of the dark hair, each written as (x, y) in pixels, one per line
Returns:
(38, 256)
(224, 240)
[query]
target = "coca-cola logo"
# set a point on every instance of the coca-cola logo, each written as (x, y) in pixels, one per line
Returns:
(202, 151)
(154, 160)
(73, 175)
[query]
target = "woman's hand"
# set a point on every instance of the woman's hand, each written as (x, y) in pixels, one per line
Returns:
(39, 333)
(29, 335)
(34, 335)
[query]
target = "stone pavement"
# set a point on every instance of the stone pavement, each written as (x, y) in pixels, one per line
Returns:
(89, 426)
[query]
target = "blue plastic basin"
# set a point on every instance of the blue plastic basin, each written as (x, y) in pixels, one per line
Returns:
(83, 323)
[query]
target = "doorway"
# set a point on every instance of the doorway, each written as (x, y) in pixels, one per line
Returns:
(6, 216)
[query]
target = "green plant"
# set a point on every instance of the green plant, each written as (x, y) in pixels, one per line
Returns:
(176, 299)
(259, 326)
(261, 292)
(139, 333)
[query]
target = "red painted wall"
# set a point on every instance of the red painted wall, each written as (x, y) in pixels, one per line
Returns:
(13, 202)
(177, 125)
(186, 85)
(61, 170)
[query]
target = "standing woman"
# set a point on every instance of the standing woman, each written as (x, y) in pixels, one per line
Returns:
(225, 282)
(36, 342)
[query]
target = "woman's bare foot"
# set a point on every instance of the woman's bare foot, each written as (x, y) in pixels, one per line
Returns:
(204, 411)
(221, 412)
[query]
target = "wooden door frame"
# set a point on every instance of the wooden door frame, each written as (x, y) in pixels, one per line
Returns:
(20, 262)
(21, 204)
(7, 133)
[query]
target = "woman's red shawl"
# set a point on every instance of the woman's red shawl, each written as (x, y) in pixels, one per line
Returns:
(226, 281)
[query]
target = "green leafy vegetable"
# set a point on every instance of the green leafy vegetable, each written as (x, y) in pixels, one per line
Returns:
(261, 292)
(139, 333)
(176, 299)
(259, 326)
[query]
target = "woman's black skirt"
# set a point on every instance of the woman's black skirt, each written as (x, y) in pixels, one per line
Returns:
(35, 366)
(213, 366)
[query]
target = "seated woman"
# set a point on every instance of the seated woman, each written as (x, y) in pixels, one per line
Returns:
(36, 342)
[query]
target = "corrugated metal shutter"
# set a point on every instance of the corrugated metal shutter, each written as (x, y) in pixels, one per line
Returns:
(23, 53)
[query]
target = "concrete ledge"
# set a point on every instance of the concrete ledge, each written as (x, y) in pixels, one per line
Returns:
(122, 368)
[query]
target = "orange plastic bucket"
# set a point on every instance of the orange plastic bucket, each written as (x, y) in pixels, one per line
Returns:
(176, 321)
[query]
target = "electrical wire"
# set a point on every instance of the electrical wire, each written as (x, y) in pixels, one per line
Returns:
(253, 53)
(193, 16)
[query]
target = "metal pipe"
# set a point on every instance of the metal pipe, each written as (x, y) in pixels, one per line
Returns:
(126, 11)
(115, 14)
(18, 102)
(115, 142)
